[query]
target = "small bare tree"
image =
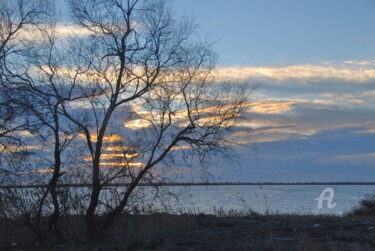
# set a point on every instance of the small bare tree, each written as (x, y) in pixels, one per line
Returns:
(144, 68)
(41, 89)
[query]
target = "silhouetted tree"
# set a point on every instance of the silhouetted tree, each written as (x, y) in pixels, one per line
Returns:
(132, 91)
(139, 56)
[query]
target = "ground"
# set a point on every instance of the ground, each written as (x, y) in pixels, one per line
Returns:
(208, 232)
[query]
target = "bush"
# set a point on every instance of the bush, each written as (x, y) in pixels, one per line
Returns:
(366, 206)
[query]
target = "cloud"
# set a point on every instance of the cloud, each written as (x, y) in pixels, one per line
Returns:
(355, 71)
(297, 102)
(369, 94)
(69, 30)
(314, 158)
(339, 100)
(61, 31)
(367, 131)
(323, 102)
(367, 159)
(356, 156)
(271, 106)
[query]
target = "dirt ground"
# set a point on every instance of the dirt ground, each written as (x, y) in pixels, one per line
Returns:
(208, 232)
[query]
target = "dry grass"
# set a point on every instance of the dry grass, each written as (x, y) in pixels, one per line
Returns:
(225, 231)
(152, 229)
(366, 207)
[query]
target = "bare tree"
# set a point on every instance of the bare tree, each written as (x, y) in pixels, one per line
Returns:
(133, 90)
(148, 71)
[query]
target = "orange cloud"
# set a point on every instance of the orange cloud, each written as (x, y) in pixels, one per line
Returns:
(48, 170)
(271, 106)
(116, 164)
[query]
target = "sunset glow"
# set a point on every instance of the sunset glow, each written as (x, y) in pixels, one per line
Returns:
(43, 171)
(115, 164)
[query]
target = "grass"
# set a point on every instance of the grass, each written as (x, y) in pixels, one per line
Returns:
(366, 207)
(224, 230)
(150, 227)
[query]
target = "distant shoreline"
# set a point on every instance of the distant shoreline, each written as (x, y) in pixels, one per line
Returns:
(203, 184)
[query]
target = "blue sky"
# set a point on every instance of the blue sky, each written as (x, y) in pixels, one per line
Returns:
(314, 63)
(265, 32)
(313, 112)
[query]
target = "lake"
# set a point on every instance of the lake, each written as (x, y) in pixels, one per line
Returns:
(288, 199)
(211, 199)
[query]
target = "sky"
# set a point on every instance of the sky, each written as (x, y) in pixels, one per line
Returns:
(313, 66)
(256, 32)
(313, 63)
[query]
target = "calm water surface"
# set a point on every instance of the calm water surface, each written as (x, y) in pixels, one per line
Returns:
(296, 199)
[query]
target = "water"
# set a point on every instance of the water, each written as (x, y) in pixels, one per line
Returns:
(288, 199)
(282, 199)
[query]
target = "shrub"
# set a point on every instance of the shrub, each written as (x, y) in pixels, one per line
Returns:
(366, 206)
